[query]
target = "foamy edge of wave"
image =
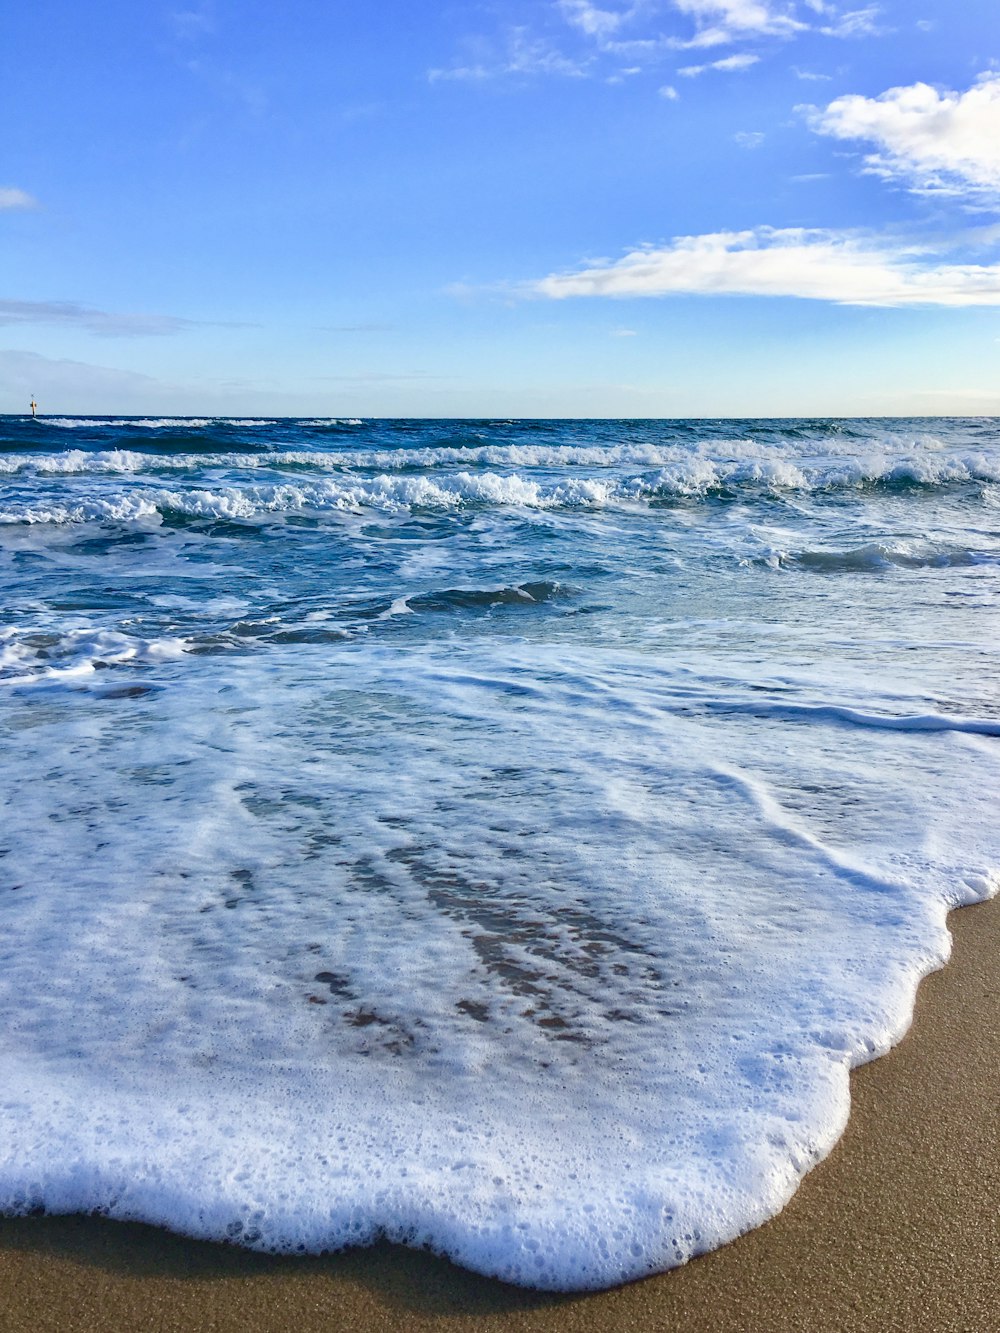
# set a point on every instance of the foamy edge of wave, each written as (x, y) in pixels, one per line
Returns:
(28, 657)
(680, 469)
(399, 493)
(153, 423)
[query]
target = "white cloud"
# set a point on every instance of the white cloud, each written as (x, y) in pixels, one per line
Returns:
(624, 333)
(748, 138)
(623, 31)
(840, 267)
(103, 322)
(670, 93)
(589, 18)
(810, 76)
(730, 65)
(935, 142)
(622, 74)
(11, 197)
(721, 21)
(855, 23)
(584, 37)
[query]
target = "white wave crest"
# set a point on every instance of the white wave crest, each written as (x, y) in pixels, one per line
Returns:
(384, 493)
(681, 470)
(693, 478)
(30, 655)
(141, 423)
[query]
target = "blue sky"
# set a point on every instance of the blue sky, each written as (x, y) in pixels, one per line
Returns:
(554, 208)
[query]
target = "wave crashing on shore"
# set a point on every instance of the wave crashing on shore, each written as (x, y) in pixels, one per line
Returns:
(497, 836)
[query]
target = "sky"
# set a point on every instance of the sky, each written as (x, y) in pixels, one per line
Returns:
(655, 208)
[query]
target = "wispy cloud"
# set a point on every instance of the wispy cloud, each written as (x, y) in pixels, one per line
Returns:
(728, 65)
(720, 21)
(843, 268)
(518, 53)
(590, 19)
(855, 23)
(76, 384)
(749, 138)
(83, 387)
(379, 377)
(13, 198)
(229, 84)
(932, 141)
(190, 24)
(102, 322)
(353, 328)
(583, 37)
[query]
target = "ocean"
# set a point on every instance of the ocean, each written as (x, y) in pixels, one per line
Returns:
(497, 836)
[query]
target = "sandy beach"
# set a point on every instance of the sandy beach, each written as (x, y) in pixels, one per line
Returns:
(898, 1229)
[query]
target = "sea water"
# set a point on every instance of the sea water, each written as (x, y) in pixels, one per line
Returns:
(498, 836)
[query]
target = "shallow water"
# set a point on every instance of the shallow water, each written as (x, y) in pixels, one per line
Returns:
(495, 835)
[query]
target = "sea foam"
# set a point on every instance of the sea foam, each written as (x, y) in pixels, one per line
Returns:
(514, 956)
(501, 837)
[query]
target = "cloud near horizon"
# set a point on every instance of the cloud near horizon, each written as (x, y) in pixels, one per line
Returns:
(102, 322)
(842, 268)
(930, 141)
(79, 384)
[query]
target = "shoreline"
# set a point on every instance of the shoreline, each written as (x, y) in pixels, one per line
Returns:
(899, 1228)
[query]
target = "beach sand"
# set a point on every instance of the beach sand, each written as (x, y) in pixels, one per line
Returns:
(898, 1229)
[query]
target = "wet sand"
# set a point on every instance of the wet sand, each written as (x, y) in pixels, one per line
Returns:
(899, 1229)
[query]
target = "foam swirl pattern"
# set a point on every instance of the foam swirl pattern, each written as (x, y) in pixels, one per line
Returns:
(498, 836)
